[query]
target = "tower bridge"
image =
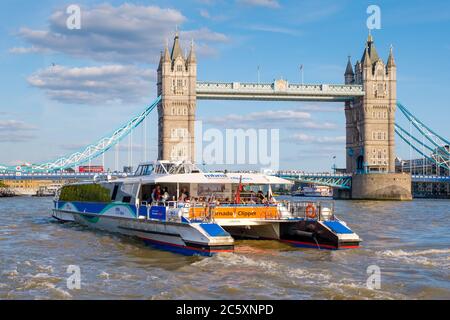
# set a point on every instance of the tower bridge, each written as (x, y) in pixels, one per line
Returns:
(279, 90)
(369, 96)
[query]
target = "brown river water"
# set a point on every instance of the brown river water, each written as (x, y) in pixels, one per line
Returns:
(408, 241)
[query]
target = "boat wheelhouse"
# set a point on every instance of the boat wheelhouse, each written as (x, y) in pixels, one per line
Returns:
(176, 203)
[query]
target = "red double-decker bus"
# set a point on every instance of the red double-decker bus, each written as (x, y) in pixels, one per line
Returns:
(91, 169)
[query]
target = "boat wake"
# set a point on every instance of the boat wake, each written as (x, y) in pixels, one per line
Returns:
(428, 257)
(294, 281)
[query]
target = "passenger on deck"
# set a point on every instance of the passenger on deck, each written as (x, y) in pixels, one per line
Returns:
(194, 201)
(253, 197)
(156, 194)
(184, 197)
(165, 197)
(260, 197)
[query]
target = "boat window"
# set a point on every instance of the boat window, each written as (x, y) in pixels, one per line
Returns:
(183, 168)
(160, 169)
(126, 199)
(114, 194)
(148, 170)
(85, 193)
(139, 171)
(144, 170)
(169, 167)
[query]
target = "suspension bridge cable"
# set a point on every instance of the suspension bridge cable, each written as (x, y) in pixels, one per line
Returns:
(94, 150)
(145, 139)
(439, 155)
(131, 148)
(408, 114)
(412, 137)
(443, 165)
(416, 122)
(117, 156)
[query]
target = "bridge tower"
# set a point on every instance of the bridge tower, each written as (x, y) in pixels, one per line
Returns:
(370, 128)
(177, 79)
(370, 119)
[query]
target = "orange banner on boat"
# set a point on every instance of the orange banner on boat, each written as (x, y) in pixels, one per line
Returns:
(235, 212)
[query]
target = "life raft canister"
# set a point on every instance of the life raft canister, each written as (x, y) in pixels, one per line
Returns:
(310, 211)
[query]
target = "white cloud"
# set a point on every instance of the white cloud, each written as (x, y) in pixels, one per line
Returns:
(15, 125)
(261, 3)
(305, 138)
(217, 18)
(123, 147)
(320, 107)
(284, 119)
(15, 137)
(205, 14)
(110, 84)
(15, 131)
(32, 49)
(275, 29)
(127, 33)
(270, 115)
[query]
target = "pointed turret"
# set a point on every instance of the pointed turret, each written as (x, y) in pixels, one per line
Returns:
(160, 61)
(358, 71)
(192, 57)
(366, 61)
(349, 74)
(166, 56)
(391, 61)
(176, 49)
(371, 50)
(349, 69)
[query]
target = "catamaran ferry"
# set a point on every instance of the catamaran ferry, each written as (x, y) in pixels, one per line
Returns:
(176, 206)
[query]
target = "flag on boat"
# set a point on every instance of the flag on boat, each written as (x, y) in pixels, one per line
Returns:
(237, 198)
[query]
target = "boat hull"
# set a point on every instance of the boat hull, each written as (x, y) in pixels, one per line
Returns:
(331, 235)
(303, 233)
(203, 239)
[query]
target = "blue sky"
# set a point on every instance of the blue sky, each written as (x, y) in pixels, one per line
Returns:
(44, 113)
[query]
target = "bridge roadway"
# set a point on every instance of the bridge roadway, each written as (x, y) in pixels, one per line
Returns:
(343, 181)
(279, 90)
(56, 176)
(335, 180)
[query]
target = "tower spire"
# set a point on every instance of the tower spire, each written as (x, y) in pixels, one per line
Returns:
(349, 74)
(371, 50)
(391, 61)
(366, 61)
(176, 49)
(166, 56)
(369, 37)
(349, 69)
(192, 57)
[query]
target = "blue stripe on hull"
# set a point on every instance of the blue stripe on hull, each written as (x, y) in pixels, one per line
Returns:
(176, 248)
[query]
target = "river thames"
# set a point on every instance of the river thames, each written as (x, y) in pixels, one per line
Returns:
(408, 241)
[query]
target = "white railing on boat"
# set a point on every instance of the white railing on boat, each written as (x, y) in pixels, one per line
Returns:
(306, 210)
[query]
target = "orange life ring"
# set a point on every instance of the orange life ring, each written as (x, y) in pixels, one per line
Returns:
(310, 211)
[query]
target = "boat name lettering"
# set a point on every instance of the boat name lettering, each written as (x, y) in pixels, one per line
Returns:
(215, 176)
(119, 212)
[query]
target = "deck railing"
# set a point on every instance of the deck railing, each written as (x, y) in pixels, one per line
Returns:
(213, 211)
(310, 210)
